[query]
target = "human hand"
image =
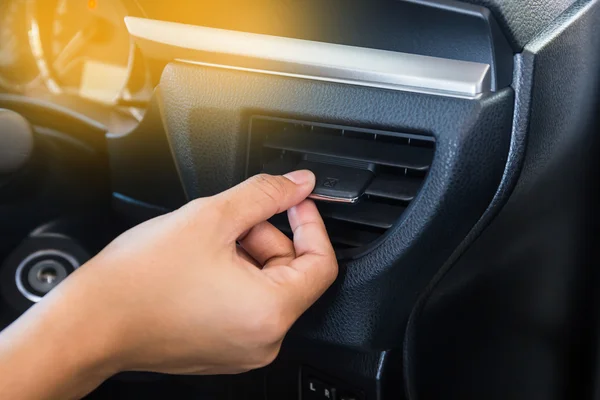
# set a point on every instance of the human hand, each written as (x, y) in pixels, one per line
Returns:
(176, 294)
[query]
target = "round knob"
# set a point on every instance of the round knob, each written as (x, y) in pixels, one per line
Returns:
(41, 271)
(16, 142)
(46, 274)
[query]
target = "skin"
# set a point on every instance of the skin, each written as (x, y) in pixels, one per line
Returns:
(208, 289)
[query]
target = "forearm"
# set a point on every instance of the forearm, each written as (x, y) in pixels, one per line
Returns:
(60, 349)
(177, 294)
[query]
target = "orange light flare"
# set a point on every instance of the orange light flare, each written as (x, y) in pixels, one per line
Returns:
(92, 4)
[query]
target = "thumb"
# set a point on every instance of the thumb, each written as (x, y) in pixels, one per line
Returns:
(262, 196)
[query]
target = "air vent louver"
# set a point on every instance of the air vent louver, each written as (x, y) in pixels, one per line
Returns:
(398, 164)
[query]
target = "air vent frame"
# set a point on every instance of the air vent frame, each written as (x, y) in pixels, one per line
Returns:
(348, 248)
(206, 113)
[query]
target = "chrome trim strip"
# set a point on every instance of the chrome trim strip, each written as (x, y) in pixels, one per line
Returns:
(331, 199)
(308, 59)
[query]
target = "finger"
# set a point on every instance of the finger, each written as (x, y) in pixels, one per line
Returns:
(243, 254)
(268, 245)
(310, 234)
(262, 196)
(315, 268)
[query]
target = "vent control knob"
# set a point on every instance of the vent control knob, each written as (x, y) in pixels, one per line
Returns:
(337, 183)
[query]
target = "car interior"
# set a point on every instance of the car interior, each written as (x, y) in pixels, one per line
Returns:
(455, 149)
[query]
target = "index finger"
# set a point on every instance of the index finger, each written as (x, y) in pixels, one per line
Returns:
(262, 196)
(315, 267)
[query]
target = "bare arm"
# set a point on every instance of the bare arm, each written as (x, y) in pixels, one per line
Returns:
(177, 294)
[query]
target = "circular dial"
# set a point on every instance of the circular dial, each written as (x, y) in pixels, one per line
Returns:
(82, 47)
(17, 65)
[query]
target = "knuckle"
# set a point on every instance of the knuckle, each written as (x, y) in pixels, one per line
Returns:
(332, 272)
(200, 209)
(195, 209)
(206, 215)
(221, 206)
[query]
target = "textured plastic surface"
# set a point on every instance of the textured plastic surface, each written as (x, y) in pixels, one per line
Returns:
(521, 20)
(514, 317)
(206, 112)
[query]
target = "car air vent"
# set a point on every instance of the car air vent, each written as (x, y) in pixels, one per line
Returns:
(380, 172)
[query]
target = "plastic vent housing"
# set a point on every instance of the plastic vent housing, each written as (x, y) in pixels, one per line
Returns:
(395, 164)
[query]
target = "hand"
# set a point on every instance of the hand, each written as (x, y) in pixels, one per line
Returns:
(177, 294)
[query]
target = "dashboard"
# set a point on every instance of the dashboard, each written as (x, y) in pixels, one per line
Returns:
(63, 47)
(468, 129)
(76, 48)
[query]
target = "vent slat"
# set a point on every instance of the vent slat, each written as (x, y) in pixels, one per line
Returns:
(279, 166)
(401, 188)
(397, 164)
(364, 213)
(341, 233)
(416, 158)
(350, 235)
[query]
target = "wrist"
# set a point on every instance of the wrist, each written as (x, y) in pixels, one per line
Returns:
(86, 325)
(63, 347)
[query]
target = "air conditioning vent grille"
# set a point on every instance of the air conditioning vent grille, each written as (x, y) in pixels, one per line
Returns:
(396, 165)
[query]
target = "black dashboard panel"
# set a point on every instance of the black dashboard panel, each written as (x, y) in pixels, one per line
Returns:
(520, 21)
(523, 21)
(207, 111)
(206, 114)
(516, 315)
(484, 288)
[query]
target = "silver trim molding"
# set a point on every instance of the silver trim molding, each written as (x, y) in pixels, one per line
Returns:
(332, 199)
(308, 59)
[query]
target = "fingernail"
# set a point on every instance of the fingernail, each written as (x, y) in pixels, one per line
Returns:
(301, 177)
